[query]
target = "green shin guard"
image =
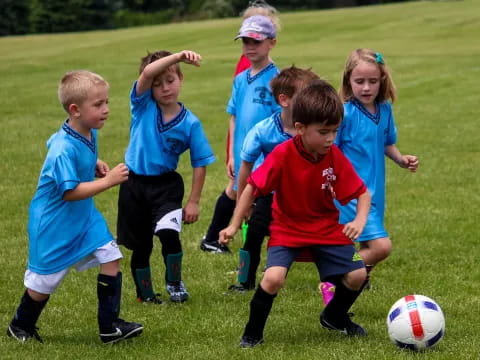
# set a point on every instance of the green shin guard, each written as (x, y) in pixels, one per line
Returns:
(174, 267)
(244, 266)
(143, 280)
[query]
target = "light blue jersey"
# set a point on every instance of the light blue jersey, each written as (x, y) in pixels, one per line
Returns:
(263, 138)
(63, 232)
(362, 137)
(251, 101)
(155, 146)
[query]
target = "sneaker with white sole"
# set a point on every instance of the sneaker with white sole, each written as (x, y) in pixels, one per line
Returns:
(121, 330)
(177, 291)
(344, 325)
(22, 335)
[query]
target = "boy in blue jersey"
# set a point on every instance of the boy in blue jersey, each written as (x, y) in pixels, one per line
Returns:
(65, 229)
(251, 101)
(150, 202)
(259, 142)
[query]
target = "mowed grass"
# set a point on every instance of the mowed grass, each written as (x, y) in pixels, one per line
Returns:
(432, 48)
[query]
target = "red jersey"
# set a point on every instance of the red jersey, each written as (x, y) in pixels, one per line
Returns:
(303, 210)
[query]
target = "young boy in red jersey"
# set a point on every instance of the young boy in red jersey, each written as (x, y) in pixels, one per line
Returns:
(306, 173)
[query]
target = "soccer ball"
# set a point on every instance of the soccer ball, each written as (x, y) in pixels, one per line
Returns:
(415, 322)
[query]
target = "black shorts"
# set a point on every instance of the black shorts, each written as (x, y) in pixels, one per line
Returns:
(331, 260)
(142, 202)
(262, 214)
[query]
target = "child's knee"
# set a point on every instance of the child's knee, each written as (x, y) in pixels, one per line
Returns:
(111, 268)
(273, 281)
(355, 279)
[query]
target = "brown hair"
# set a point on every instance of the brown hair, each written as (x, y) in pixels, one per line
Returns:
(75, 86)
(317, 103)
(290, 80)
(152, 57)
(387, 87)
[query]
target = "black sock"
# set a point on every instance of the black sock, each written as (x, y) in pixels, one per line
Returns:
(109, 293)
(343, 299)
(139, 261)
(260, 307)
(221, 217)
(28, 312)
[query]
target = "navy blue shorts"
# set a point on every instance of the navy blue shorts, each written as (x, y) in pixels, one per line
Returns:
(331, 260)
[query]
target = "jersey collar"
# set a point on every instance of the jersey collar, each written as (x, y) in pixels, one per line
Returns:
(162, 126)
(374, 117)
(80, 137)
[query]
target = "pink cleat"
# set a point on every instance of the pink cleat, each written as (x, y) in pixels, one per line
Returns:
(328, 290)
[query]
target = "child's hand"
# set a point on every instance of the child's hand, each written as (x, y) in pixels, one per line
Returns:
(410, 162)
(190, 57)
(231, 168)
(190, 212)
(117, 175)
(101, 169)
(227, 234)
(353, 229)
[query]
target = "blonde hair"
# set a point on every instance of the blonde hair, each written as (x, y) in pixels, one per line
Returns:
(387, 87)
(260, 7)
(75, 86)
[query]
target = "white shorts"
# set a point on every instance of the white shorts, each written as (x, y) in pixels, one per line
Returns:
(46, 284)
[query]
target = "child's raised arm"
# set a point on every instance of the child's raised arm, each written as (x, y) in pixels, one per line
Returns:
(155, 68)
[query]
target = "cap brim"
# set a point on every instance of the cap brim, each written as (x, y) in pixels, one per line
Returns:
(251, 35)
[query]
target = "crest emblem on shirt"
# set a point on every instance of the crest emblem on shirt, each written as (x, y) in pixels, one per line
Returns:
(174, 146)
(261, 94)
(328, 177)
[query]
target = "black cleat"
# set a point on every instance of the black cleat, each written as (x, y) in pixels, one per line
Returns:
(121, 330)
(155, 299)
(345, 326)
(249, 342)
(22, 335)
(240, 288)
(214, 247)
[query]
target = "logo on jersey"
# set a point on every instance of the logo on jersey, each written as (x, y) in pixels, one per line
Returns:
(260, 97)
(328, 178)
(175, 146)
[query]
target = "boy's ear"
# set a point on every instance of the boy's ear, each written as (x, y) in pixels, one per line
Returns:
(283, 100)
(73, 110)
(299, 127)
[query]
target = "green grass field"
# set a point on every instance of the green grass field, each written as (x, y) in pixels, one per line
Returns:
(432, 48)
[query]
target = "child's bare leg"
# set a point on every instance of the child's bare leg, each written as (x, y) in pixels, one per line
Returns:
(374, 251)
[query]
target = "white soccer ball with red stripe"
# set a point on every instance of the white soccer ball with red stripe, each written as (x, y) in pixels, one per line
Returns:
(415, 322)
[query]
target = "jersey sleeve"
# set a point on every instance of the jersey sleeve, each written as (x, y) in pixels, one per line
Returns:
(252, 146)
(266, 177)
(138, 103)
(231, 106)
(391, 134)
(348, 184)
(65, 173)
(201, 153)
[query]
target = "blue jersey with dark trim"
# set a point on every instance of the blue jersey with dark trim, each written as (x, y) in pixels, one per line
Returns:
(362, 137)
(59, 231)
(251, 102)
(263, 138)
(155, 145)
